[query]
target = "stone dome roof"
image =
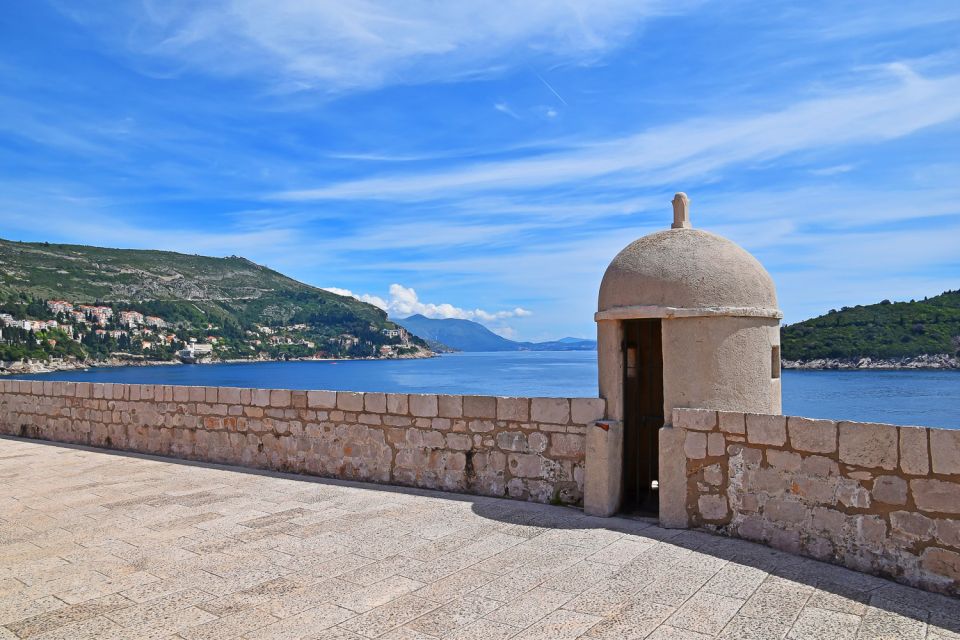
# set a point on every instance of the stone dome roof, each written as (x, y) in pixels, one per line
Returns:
(687, 268)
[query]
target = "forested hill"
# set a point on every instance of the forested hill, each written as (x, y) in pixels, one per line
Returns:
(883, 330)
(250, 310)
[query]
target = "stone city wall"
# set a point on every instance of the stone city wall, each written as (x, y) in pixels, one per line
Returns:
(873, 497)
(524, 448)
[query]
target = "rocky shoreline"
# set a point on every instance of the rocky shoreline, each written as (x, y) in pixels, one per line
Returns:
(28, 367)
(926, 361)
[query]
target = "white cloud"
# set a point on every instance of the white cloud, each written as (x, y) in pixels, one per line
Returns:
(902, 104)
(503, 107)
(404, 302)
(368, 43)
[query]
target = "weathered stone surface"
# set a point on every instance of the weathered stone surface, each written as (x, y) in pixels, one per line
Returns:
(450, 406)
(890, 490)
(375, 402)
(765, 429)
(695, 445)
(479, 407)
(713, 507)
(941, 562)
(945, 450)
(732, 422)
(398, 403)
(349, 401)
(585, 410)
(362, 436)
(869, 445)
(695, 419)
(935, 496)
(423, 405)
(488, 579)
(914, 458)
(715, 444)
(911, 526)
(550, 410)
(815, 436)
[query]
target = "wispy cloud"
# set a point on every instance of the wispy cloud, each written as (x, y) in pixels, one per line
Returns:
(687, 150)
(342, 46)
(503, 107)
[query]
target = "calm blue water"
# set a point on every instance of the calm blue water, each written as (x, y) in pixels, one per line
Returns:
(929, 398)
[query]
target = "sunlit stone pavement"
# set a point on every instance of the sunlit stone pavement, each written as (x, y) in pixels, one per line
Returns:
(102, 545)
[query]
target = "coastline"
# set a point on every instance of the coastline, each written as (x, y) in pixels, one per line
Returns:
(31, 367)
(940, 361)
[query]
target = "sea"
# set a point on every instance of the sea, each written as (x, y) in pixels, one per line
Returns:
(910, 397)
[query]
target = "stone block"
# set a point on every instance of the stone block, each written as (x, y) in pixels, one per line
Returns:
(819, 467)
(196, 394)
(450, 406)
(732, 422)
(713, 507)
(695, 419)
(512, 441)
(398, 403)
(871, 531)
(695, 445)
(914, 457)
(941, 562)
(513, 409)
(537, 442)
(780, 510)
(480, 407)
(852, 494)
(349, 401)
(228, 395)
(566, 445)
(459, 442)
(890, 490)
(910, 526)
(586, 410)
(375, 402)
(424, 405)
(481, 426)
(550, 410)
(815, 436)
(524, 465)
(945, 450)
(829, 522)
(869, 445)
(935, 496)
(280, 398)
(713, 475)
(766, 429)
(716, 445)
(948, 532)
(783, 460)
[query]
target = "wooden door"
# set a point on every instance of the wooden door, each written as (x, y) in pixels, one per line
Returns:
(642, 414)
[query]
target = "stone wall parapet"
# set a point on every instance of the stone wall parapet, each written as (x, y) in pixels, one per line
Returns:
(879, 498)
(524, 448)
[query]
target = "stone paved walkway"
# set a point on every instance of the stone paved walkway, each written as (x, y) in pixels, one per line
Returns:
(98, 545)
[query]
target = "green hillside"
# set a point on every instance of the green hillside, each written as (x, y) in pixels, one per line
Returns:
(231, 298)
(883, 330)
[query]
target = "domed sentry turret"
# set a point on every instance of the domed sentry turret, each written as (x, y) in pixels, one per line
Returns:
(685, 318)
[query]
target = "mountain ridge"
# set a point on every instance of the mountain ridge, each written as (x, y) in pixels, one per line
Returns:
(470, 336)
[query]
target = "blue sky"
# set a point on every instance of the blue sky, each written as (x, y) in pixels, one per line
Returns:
(487, 160)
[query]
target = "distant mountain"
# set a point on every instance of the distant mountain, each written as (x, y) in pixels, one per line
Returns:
(466, 335)
(883, 330)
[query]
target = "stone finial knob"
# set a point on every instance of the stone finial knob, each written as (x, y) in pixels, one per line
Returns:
(681, 212)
